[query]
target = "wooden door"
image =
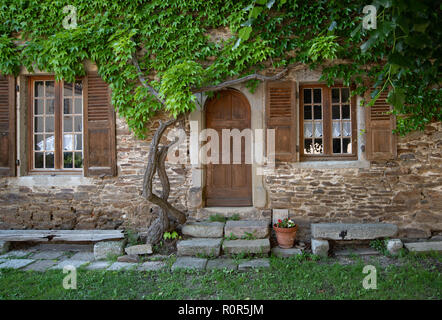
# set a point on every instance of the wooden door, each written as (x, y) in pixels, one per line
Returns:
(228, 185)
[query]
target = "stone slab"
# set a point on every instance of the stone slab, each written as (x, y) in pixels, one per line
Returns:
(84, 256)
(105, 248)
(122, 266)
(286, 253)
(17, 254)
(152, 266)
(15, 263)
(254, 264)
(69, 262)
(320, 247)
(241, 228)
(189, 263)
(203, 246)
(246, 246)
(221, 264)
(353, 231)
(98, 265)
(427, 246)
(203, 229)
(394, 246)
(139, 249)
(47, 255)
(61, 235)
(40, 265)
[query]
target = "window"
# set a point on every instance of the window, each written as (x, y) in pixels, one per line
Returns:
(57, 125)
(327, 123)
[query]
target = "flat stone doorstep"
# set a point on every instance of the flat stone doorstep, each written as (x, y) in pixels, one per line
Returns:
(424, 246)
(15, 263)
(189, 263)
(246, 246)
(286, 253)
(345, 252)
(254, 264)
(221, 264)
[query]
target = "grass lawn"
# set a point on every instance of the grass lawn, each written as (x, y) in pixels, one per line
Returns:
(409, 277)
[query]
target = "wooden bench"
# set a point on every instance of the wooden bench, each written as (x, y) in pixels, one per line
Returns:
(60, 235)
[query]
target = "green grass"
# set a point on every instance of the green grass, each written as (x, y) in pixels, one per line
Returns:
(296, 278)
(220, 218)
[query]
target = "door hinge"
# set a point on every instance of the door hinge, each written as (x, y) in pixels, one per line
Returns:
(17, 162)
(17, 88)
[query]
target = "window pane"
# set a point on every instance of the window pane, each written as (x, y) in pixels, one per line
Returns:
(39, 106)
(308, 129)
(317, 96)
(345, 94)
(38, 160)
(336, 112)
(38, 124)
(78, 161)
(67, 106)
(335, 95)
(318, 112)
(50, 106)
(78, 142)
(346, 112)
(50, 89)
(67, 124)
(49, 143)
(67, 89)
(318, 129)
(78, 88)
(78, 124)
(68, 143)
(317, 146)
(38, 88)
(307, 112)
(67, 160)
(346, 129)
(336, 129)
(78, 106)
(38, 142)
(49, 124)
(346, 145)
(307, 95)
(337, 145)
(50, 160)
(308, 146)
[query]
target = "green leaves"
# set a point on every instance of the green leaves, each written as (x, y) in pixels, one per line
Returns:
(324, 47)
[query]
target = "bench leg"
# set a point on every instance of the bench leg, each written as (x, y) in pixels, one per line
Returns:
(320, 247)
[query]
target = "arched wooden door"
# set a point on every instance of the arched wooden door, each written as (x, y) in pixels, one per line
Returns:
(228, 185)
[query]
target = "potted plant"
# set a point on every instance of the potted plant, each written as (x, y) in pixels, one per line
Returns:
(285, 232)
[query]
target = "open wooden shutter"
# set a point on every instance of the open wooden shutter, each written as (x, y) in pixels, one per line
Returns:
(381, 142)
(280, 115)
(7, 126)
(99, 129)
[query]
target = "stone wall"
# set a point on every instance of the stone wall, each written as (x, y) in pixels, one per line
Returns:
(76, 202)
(406, 191)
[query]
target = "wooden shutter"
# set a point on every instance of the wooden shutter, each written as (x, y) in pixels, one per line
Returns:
(381, 142)
(280, 115)
(99, 129)
(7, 126)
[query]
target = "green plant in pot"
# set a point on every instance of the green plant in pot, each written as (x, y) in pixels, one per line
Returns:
(285, 232)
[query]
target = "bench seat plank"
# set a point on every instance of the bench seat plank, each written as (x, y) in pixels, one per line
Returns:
(60, 235)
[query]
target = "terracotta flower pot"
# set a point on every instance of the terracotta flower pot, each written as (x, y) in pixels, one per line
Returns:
(285, 236)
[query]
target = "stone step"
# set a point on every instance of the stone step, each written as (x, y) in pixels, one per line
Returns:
(286, 253)
(246, 246)
(198, 246)
(242, 228)
(427, 246)
(203, 229)
(353, 231)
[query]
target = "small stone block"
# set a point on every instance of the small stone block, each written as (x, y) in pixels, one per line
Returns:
(122, 266)
(152, 266)
(394, 246)
(222, 264)
(105, 248)
(427, 246)
(320, 247)
(203, 229)
(189, 263)
(254, 264)
(286, 253)
(15, 263)
(139, 249)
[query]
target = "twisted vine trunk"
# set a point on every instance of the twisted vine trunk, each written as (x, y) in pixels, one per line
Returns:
(168, 216)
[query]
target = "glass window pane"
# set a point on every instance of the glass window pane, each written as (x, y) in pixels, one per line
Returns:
(346, 129)
(67, 124)
(337, 145)
(39, 106)
(308, 146)
(336, 129)
(78, 125)
(336, 112)
(317, 96)
(346, 112)
(78, 160)
(318, 112)
(346, 145)
(67, 159)
(307, 112)
(50, 89)
(38, 124)
(38, 142)
(49, 143)
(78, 142)
(50, 106)
(38, 88)
(49, 124)
(308, 129)
(78, 106)
(317, 146)
(78, 88)
(67, 106)
(345, 92)
(38, 160)
(50, 160)
(67, 89)
(68, 142)
(335, 95)
(318, 129)
(307, 95)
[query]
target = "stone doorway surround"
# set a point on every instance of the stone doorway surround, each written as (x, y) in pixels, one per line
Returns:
(257, 106)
